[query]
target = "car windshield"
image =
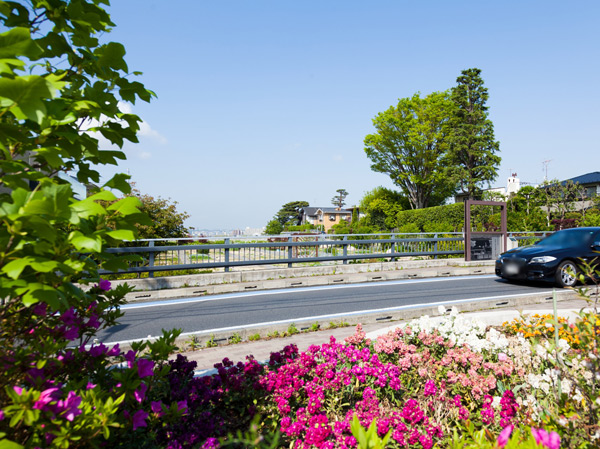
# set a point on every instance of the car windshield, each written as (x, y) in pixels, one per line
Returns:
(568, 238)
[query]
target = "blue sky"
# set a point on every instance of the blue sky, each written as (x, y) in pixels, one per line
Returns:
(265, 102)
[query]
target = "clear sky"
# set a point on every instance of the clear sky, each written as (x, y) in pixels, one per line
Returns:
(265, 102)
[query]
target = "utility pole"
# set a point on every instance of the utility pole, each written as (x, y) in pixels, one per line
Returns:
(545, 169)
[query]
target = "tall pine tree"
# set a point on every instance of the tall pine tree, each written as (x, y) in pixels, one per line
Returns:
(472, 147)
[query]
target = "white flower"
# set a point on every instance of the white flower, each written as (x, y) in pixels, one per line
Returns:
(496, 402)
(441, 310)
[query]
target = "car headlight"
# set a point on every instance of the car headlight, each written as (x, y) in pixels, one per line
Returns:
(542, 259)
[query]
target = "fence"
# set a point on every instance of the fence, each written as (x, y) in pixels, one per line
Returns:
(293, 249)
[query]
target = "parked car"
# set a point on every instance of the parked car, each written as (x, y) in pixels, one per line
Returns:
(554, 258)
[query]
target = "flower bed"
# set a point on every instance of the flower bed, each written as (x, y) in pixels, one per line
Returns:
(418, 384)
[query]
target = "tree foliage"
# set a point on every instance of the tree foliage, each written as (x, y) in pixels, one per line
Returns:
(472, 145)
(339, 200)
(61, 87)
(165, 220)
(410, 145)
(273, 227)
(380, 207)
(289, 212)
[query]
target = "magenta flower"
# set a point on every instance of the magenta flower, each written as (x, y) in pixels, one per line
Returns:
(139, 419)
(430, 388)
(504, 436)
(46, 397)
(104, 285)
(145, 368)
(1, 415)
(550, 440)
(156, 407)
(18, 390)
(140, 393)
(70, 406)
(130, 357)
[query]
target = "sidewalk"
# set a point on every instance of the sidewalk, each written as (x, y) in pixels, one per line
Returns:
(261, 350)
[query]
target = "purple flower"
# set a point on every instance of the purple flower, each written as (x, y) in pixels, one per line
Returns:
(504, 436)
(139, 419)
(140, 393)
(182, 406)
(145, 368)
(156, 407)
(93, 321)
(90, 386)
(114, 351)
(104, 285)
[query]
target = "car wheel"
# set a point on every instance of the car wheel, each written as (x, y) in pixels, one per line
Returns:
(567, 273)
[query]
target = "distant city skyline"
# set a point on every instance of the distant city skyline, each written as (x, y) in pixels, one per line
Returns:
(262, 103)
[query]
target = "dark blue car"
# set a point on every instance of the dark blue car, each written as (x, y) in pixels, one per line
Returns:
(553, 259)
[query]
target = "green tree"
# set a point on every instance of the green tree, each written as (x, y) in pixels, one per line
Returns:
(381, 206)
(339, 200)
(273, 227)
(410, 145)
(165, 220)
(61, 84)
(290, 212)
(472, 152)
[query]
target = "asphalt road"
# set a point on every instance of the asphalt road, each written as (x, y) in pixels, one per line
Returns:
(223, 311)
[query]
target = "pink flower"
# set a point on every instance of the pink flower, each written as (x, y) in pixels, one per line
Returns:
(104, 285)
(18, 390)
(502, 357)
(145, 368)
(504, 436)
(46, 397)
(550, 440)
(139, 419)
(1, 415)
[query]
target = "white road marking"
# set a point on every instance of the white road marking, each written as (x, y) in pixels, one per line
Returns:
(344, 314)
(197, 299)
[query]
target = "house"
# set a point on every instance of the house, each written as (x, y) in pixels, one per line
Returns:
(324, 216)
(590, 182)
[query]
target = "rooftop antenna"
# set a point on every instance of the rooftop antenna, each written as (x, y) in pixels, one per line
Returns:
(545, 169)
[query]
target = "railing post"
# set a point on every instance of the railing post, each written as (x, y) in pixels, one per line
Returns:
(345, 249)
(151, 259)
(435, 245)
(290, 251)
(227, 256)
(393, 248)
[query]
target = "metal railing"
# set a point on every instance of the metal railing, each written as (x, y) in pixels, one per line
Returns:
(208, 253)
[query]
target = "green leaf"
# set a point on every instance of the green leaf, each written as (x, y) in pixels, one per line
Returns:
(14, 268)
(119, 182)
(111, 55)
(26, 95)
(7, 444)
(84, 243)
(126, 206)
(18, 42)
(122, 234)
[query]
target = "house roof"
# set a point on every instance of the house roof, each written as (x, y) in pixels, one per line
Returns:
(326, 210)
(588, 178)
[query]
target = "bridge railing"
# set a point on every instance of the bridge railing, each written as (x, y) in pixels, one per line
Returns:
(207, 253)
